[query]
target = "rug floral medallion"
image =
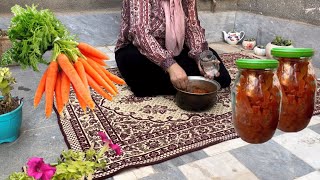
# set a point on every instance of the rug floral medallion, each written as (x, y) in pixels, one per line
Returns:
(151, 129)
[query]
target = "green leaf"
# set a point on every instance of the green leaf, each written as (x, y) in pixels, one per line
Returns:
(3, 84)
(32, 32)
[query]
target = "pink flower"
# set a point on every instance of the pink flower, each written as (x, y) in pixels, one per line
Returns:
(109, 143)
(116, 148)
(104, 137)
(39, 170)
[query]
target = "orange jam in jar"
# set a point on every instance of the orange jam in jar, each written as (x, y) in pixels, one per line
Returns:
(256, 100)
(298, 84)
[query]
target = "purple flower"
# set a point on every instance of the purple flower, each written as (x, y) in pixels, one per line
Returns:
(109, 143)
(40, 170)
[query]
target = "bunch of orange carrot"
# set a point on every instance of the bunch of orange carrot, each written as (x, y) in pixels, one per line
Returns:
(79, 72)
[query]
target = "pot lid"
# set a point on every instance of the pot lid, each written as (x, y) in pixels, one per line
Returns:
(292, 52)
(257, 63)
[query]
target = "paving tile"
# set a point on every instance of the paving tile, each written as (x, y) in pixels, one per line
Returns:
(42, 142)
(311, 176)
(89, 28)
(224, 147)
(170, 174)
(9, 162)
(111, 48)
(315, 128)
(304, 144)
(27, 82)
(314, 121)
(224, 48)
(194, 156)
(111, 56)
(166, 165)
(125, 175)
(271, 161)
(222, 166)
(143, 171)
(104, 49)
(181, 160)
(111, 63)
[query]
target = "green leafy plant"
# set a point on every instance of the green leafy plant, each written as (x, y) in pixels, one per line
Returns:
(78, 165)
(280, 41)
(249, 39)
(8, 103)
(72, 165)
(32, 32)
(19, 176)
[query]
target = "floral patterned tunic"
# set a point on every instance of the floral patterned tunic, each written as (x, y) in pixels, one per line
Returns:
(143, 24)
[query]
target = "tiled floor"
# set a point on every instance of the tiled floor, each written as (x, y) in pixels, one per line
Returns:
(287, 156)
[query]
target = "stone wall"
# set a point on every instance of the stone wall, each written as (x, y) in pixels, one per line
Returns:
(64, 5)
(300, 10)
(307, 11)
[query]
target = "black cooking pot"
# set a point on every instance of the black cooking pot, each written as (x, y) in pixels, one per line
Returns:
(200, 95)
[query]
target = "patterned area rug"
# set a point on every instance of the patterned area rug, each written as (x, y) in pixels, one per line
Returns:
(149, 130)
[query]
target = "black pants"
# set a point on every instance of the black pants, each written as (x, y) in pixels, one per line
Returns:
(148, 79)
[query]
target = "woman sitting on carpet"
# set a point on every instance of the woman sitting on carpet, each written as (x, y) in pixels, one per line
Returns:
(159, 46)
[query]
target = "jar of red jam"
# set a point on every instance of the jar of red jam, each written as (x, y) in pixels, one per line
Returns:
(298, 84)
(256, 100)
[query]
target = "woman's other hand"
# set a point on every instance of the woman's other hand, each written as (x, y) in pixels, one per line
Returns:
(209, 76)
(178, 76)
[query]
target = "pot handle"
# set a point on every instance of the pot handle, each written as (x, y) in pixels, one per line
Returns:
(242, 34)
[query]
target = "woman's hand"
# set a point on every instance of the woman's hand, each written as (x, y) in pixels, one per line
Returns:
(178, 76)
(209, 76)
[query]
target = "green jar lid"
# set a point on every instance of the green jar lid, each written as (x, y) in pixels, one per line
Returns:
(292, 52)
(257, 63)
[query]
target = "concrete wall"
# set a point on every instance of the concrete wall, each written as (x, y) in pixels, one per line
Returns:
(300, 10)
(307, 11)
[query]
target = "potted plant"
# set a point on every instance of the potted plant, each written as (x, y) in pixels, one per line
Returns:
(259, 50)
(5, 44)
(249, 43)
(10, 108)
(276, 43)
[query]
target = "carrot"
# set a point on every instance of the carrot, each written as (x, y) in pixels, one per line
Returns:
(92, 72)
(101, 73)
(92, 51)
(52, 72)
(82, 73)
(40, 90)
(76, 81)
(82, 103)
(59, 102)
(97, 60)
(113, 77)
(97, 88)
(65, 88)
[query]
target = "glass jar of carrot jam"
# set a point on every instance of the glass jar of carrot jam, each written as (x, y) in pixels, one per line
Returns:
(298, 84)
(256, 100)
